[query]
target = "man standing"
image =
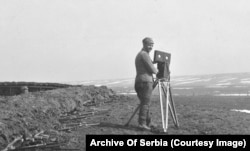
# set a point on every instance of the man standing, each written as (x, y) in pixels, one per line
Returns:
(144, 81)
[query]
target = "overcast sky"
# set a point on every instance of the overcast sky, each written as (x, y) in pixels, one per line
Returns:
(79, 40)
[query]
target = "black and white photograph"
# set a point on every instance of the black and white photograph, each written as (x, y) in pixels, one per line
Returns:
(72, 68)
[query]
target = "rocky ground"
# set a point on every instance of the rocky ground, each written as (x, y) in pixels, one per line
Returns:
(47, 119)
(61, 119)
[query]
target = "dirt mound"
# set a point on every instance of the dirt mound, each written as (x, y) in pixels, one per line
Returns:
(16, 88)
(40, 118)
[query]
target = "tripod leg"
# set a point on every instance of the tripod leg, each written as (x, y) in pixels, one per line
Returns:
(155, 84)
(138, 107)
(167, 104)
(172, 101)
(170, 106)
(162, 111)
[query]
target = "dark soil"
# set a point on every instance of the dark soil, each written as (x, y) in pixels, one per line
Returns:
(65, 116)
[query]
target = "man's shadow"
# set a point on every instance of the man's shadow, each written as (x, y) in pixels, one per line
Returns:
(128, 127)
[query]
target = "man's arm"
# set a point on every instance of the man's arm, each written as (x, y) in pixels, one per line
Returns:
(148, 63)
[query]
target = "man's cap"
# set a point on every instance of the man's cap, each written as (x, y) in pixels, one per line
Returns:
(147, 40)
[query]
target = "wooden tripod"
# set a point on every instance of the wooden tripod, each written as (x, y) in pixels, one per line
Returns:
(169, 104)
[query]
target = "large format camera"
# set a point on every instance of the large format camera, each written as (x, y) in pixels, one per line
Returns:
(163, 61)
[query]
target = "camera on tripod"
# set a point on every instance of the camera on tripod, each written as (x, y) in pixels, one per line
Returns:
(163, 61)
(163, 81)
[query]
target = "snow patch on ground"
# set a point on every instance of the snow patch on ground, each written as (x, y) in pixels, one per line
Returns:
(221, 84)
(245, 82)
(183, 88)
(226, 80)
(194, 81)
(233, 94)
(245, 111)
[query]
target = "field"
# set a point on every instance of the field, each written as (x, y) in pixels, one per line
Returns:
(202, 115)
(216, 106)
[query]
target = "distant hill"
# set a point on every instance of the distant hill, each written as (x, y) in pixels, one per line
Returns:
(214, 84)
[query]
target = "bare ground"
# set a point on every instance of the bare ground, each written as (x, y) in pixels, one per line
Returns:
(51, 112)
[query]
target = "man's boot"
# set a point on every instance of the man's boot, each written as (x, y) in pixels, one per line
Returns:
(148, 121)
(143, 115)
(151, 124)
(144, 126)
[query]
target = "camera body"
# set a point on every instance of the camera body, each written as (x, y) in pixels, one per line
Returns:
(163, 61)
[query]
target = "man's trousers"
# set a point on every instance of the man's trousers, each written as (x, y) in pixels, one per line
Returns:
(144, 91)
